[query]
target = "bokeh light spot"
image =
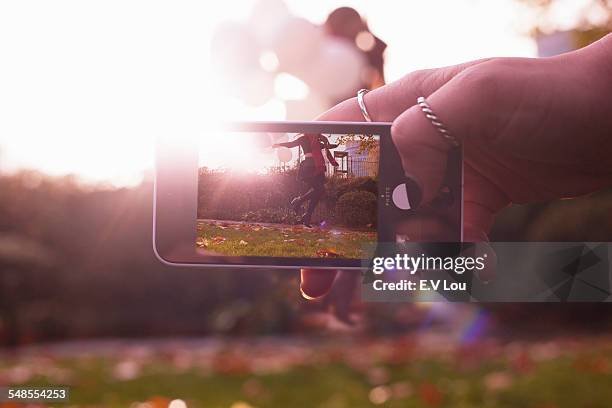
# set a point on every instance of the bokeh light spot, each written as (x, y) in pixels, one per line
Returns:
(268, 61)
(365, 41)
(289, 87)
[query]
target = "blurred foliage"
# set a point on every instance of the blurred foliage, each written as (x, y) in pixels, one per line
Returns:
(594, 22)
(582, 38)
(77, 262)
(99, 276)
(583, 219)
(402, 372)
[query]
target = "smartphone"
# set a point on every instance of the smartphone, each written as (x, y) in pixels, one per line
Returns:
(291, 194)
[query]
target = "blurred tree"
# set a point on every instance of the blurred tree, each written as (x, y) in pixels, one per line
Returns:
(23, 266)
(76, 261)
(366, 143)
(594, 21)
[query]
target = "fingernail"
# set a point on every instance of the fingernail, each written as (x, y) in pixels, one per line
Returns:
(414, 192)
(305, 295)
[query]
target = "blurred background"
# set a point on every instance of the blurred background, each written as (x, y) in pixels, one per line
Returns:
(84, 90)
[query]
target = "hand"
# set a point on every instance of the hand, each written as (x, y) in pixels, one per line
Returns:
(532, 130)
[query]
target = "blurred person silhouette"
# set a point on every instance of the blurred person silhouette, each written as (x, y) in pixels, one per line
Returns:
(347, 23)
(311, 172)
(334, 65)
(532, 130)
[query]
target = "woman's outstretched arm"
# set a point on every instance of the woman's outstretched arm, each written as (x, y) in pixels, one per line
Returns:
(293, 143)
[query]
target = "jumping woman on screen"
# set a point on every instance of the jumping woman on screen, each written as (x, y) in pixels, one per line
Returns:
(311, 171)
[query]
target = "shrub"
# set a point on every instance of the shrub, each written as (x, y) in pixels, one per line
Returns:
(266, 198)
(271, 215)
(357, 208)
(338, 186)
(230, 197)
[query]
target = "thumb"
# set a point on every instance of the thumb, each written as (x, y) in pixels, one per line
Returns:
(316, 282)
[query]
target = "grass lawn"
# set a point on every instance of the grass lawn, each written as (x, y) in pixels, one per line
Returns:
(546, 375)
(250, 239)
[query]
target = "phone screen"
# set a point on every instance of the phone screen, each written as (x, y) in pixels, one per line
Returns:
(303, 195)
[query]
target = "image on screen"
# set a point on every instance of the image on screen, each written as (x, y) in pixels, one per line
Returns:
(287, 194)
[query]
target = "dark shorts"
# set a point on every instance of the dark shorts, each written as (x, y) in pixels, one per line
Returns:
(307, 172)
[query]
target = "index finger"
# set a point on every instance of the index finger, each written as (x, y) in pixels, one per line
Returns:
(386, 103)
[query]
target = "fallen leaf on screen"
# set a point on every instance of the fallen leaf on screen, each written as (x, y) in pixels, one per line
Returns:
(328, 253)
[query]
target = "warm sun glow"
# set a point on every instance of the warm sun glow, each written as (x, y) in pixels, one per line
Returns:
(86, 87)
(238, 152)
